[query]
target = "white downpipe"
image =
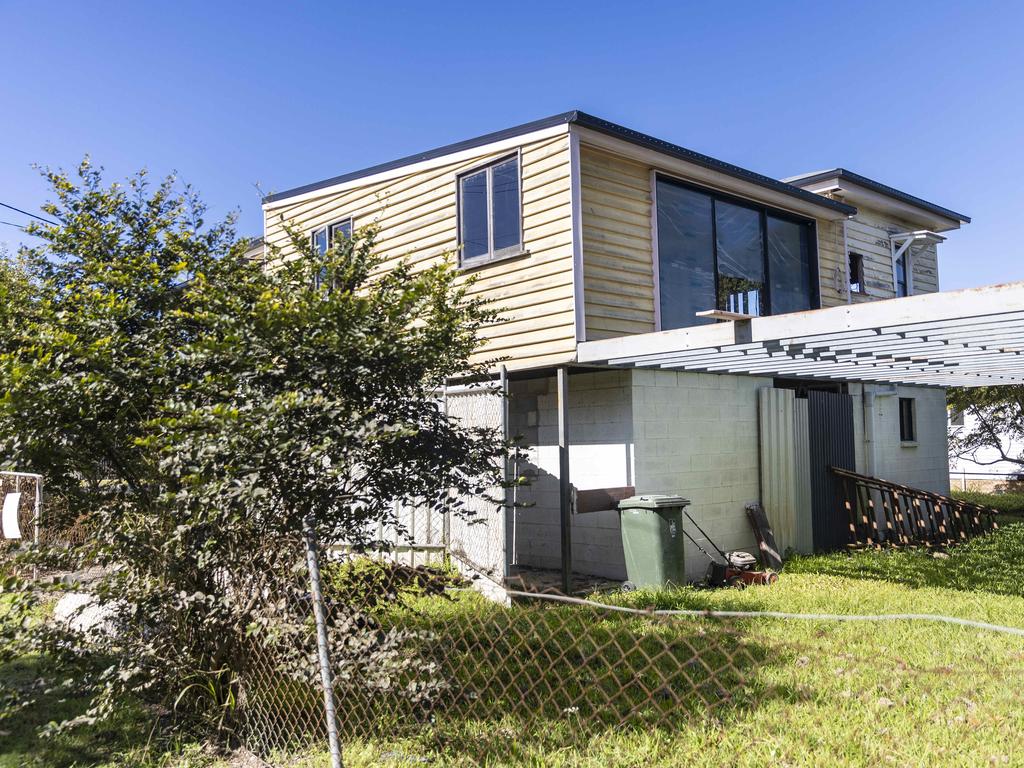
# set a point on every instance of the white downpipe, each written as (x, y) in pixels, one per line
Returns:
(870, 417)
(870, 460)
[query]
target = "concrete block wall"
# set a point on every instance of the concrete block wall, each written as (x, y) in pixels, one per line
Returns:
(600, 456)
(690, 434)
(697, 436)
(924, 463)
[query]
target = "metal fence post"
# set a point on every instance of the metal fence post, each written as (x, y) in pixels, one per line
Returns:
(321, 641)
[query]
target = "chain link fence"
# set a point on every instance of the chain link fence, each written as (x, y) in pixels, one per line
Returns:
(425, 669)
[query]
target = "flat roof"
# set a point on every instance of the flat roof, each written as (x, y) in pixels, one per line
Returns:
(576, 117)
(967, 338)
(876, 186)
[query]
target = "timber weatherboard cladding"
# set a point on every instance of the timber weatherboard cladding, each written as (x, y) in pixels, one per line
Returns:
(618, 271)
(868, 233)
(417, 219)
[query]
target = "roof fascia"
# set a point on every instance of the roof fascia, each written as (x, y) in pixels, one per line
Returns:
(361, 179)
(822, 208)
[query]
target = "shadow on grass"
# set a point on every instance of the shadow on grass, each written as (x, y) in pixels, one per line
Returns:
(22, 746)
(993, 563)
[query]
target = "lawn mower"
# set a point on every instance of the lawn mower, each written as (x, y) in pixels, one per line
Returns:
(729, 569)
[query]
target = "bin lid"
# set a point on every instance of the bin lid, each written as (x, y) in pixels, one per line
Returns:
(653, 501)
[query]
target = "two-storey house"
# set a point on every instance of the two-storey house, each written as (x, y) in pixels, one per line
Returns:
(672, 323)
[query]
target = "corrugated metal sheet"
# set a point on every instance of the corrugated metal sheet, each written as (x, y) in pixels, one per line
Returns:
(778, 473)
(830, 433)
(785, 470)
(804, 532)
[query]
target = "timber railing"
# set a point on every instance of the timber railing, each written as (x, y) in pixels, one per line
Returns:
(909, 516)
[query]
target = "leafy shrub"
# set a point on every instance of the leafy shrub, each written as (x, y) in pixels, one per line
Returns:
(203, 411)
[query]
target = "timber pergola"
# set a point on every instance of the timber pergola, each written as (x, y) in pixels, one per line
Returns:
(964, 338)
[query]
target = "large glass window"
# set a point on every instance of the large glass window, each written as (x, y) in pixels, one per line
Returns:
(715, 253)
(686, 249)
(490, 222)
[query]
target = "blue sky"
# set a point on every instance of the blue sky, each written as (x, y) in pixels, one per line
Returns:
(924, 96)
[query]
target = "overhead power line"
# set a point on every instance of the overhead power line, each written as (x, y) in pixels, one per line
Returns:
(26, 213)
(12, 224)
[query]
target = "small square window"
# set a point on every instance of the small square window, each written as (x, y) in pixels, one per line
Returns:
(908, 425)
(956, 418)
(857, 273)
(490, 217)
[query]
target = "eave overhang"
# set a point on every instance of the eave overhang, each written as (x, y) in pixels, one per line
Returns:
(966, 338)
(868, 193)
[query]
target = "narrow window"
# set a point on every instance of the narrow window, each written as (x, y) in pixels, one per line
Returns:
(908, 429)
(857, 273)
(686, 255)
(341, 230)
(789, 264)
(740, 259)
(490, 220)
(319, 240)
(956, 418)
(902, 287)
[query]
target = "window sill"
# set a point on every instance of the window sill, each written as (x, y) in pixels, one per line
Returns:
(908, 443)
(475, 265)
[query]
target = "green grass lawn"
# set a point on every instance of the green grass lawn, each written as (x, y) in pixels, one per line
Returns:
(549, 687)
(808, 693)
(1010, 503)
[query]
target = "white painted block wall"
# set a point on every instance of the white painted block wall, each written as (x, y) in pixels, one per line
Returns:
(696, 435)
(925, 463)
(600, 456)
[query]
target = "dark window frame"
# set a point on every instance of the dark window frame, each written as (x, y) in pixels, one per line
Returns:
(765, 211)
(855, 262)
(320, 278)
(902, 287)
(908, 420)
(329, 230)
(512, 251)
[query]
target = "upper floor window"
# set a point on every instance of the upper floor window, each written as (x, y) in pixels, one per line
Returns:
(324, 237)
(490, 219)
(857, 284)
(718, 253)
(902, 270)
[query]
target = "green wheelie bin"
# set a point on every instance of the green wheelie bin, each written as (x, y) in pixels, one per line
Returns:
(652, 540)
